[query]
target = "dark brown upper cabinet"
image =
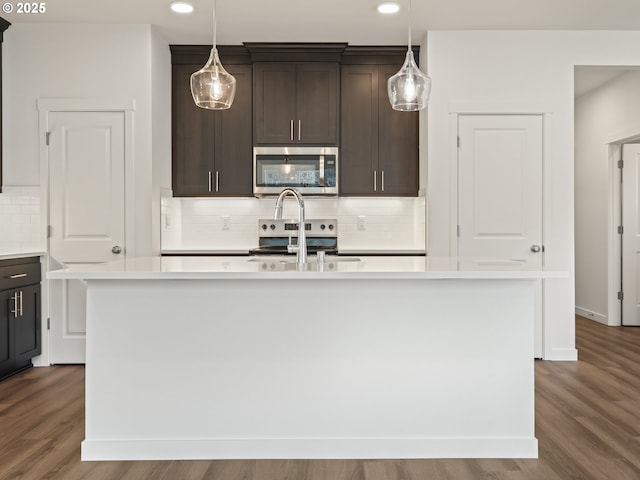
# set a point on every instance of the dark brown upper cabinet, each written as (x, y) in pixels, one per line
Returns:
(379, 146)
(296, 91)
(3, 26)
(296, 103)
(212, 149)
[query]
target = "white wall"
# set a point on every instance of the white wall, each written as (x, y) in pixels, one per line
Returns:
(47, 60)
(518, 71)
(161, 118)
(599, 117)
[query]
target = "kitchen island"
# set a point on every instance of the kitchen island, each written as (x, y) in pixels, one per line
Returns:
(239, 357)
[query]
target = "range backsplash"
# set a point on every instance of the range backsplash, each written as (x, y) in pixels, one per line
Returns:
(232, 224)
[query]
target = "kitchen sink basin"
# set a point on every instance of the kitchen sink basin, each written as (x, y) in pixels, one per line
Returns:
(292, 259)
(289, 263)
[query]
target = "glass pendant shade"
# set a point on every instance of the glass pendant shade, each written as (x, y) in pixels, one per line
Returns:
(409, 89)
(212, 87)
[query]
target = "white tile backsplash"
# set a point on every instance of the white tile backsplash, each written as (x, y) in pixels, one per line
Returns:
(20, 223)
(199, 223)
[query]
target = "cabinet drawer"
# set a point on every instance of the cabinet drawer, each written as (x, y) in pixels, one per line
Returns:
(19, 275)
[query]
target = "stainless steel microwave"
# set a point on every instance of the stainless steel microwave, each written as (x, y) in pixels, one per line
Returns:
(311, 170)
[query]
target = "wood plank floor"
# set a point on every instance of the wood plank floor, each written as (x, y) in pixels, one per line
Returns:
(587, 424)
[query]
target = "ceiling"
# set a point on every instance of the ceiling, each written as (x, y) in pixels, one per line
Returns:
(352, 21)
(587, 79)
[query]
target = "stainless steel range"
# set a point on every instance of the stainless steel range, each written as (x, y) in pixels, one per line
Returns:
(276, 235)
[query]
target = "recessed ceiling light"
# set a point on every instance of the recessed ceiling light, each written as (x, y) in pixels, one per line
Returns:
(388, 8)
(181, 7)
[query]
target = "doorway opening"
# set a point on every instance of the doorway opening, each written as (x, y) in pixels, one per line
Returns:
(605, 118)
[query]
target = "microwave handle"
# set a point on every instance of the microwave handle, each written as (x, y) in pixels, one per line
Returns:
(321, 167)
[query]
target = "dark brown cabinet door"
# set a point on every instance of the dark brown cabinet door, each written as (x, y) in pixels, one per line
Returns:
(317, 103)
(296, 103)
(27, 329)
(233, 165)
(359, 145)
(379, 154)
(212, 150)
(275, 102)
(6, 333)
(397, 143)
(193, 138)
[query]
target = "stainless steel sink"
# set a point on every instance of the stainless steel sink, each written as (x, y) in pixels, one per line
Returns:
(288, 263)
(292, 259)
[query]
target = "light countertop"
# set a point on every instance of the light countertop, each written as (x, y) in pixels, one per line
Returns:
(12, 256)
(274, 267)
(350, 251)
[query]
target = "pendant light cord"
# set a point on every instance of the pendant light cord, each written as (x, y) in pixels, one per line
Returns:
(409, 43)
(214, 24)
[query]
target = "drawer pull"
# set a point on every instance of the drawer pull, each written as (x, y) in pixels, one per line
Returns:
(18, 275)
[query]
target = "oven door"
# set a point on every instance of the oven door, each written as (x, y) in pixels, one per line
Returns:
(311, 170)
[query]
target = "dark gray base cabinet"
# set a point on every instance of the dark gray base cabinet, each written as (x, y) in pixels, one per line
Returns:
(20, 318)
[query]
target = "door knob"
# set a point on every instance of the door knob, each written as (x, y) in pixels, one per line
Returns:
(117, 250)
(536, 248)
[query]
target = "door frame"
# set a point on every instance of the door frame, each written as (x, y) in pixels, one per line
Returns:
(50, 105)
(614, 209)
(456, 109)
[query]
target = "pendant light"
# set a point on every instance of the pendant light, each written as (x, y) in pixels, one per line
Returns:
(409, 89)
(212, 87)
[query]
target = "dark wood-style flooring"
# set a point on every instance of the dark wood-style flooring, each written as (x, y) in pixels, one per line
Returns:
(587, 424)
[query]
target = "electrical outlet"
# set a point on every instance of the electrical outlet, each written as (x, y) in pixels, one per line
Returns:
(225, 222)
(361, 222)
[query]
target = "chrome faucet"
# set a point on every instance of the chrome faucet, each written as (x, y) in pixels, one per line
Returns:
(301, 248)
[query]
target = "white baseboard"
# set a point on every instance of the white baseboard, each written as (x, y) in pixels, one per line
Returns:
(562, 355)
(309, 448)
(591, 315)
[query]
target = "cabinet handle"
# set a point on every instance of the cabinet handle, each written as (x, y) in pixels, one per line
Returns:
(375, 180)
(299, 128)
(382, 179)
(291, 130)
(209, 180)
(217, 181)
(15, 305)
(18, 275)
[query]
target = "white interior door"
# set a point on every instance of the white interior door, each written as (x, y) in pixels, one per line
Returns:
(500, 192)
(631, 234)
(86, 214)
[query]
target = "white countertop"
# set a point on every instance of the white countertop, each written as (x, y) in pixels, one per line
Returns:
(350, 251)
(11, 256)
(272, 267)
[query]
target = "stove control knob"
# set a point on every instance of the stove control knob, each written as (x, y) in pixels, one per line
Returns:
(331, 226)
(323, 226)
(264, 226)
(273, 226)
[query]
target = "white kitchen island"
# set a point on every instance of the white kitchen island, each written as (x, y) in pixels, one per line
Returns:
(387, 357)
